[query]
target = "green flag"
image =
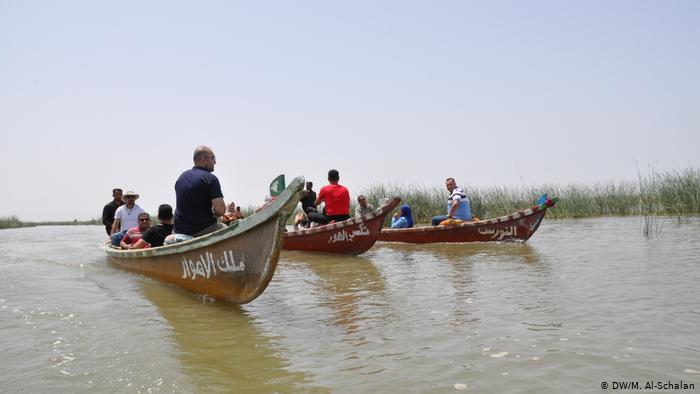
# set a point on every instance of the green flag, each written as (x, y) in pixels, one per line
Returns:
(277, 186)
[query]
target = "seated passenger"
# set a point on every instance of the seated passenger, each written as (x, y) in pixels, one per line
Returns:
(336, 199)
(457, 204)
(232, 214)
(308, 199)
(133, 235)
(154, 236)
(301, 221)
(402, 218)
(362, 206)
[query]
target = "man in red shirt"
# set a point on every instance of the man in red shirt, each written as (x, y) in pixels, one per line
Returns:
(336, 198)
(133, 235)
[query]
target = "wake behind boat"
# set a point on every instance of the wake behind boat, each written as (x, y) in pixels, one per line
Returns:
(518, 226)
(353, 236)
(234, 264)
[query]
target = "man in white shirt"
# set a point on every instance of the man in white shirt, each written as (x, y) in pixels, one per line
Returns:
(125, 217)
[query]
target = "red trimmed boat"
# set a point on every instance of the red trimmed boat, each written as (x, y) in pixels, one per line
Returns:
(353, 236)
(518, 226)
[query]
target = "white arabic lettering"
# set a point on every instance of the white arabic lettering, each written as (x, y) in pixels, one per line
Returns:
(499, 234)
(207, 266)
(344, 236)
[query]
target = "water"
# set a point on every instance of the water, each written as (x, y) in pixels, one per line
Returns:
(583, 302)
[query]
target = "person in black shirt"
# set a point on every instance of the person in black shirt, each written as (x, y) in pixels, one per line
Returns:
(199, 200)
(308, 199)
(155, 235)
(110, 208)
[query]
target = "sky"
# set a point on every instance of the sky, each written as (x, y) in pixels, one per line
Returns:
(96, 95)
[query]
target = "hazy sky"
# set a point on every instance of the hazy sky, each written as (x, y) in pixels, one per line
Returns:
(97, 94)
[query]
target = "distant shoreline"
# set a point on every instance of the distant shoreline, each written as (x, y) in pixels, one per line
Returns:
(15, 222)
(670, 193)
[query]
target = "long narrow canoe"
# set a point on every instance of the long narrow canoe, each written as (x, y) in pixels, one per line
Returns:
(518, 226)
(353, 236)
(234, 264)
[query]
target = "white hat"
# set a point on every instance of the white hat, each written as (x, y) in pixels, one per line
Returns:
(130, 193)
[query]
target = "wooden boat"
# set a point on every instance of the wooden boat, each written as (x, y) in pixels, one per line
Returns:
(518, 226)
(353, 236)
(235, 263)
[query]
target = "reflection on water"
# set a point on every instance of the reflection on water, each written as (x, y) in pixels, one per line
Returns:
(469, 266)
(466, 251)
(582, 302)
(219, 346)
(344, 282)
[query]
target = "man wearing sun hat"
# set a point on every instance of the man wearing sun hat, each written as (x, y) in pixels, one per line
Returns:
(125, 216)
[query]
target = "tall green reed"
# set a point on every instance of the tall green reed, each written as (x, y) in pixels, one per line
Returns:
(675, 193)
(649, 205)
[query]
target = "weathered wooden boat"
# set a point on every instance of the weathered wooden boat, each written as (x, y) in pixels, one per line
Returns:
(234, 264)
(353, 236)
(518, 226)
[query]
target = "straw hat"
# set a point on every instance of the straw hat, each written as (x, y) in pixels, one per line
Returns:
(130, 193)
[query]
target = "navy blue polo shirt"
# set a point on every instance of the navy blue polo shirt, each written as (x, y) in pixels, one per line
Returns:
(194, 191)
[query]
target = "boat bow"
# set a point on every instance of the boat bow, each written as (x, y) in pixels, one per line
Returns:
(235, 263)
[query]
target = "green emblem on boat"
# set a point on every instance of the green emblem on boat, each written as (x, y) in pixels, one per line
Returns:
(277, 186)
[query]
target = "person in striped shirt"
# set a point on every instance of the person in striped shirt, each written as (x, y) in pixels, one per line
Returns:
(458, 206)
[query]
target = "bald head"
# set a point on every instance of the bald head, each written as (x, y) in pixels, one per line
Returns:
(200, 152)
(204, 157)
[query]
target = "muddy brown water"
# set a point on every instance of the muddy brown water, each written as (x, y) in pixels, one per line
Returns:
(583, 302)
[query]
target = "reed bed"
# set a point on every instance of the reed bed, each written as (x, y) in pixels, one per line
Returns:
(671, 193)
(10, 222)
(674, 193)
(15, 222)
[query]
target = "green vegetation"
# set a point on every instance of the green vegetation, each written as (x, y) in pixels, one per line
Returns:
(10, 222)
(15, 222)
(674, 193)
(670, 193)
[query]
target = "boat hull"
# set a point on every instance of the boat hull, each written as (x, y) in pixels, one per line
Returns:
(234, 264)
(353, 236)
(516, 227)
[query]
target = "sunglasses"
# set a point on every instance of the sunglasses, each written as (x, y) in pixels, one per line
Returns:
(144, 220)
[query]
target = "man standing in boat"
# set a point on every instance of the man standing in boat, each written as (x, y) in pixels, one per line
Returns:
(336, 198)
(199, 200)
(109, 210)
(458, 206)
(125, 217)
